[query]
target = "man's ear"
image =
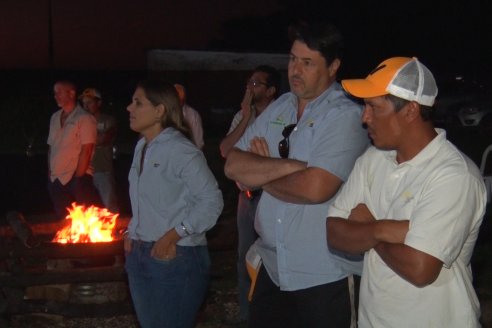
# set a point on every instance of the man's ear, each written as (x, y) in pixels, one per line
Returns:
(412, 111)
(334, 66)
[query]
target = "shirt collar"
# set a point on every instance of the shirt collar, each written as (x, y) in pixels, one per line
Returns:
(328, 95)
(425, 154)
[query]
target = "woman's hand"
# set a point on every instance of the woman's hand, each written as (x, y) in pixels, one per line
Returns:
(165, 247)
(127, 243)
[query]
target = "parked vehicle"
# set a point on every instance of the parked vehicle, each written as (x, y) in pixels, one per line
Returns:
(477, 112)
(461, 103)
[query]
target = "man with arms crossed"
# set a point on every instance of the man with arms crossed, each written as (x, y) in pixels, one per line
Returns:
(414, 204)
(300, 150)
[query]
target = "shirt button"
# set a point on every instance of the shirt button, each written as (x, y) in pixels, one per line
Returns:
(279, 220)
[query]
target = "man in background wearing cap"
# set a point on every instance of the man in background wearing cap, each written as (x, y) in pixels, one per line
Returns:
(300, 150)
(102, 161)
(71, 141)
(191, 116)
(414, 204)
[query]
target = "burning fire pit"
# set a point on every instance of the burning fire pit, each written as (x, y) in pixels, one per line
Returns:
(87, 225)
(65, 274)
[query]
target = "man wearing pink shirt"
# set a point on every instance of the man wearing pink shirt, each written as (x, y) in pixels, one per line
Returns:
(71, 141)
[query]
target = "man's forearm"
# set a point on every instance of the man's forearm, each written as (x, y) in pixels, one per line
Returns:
(349, 236)
(255, 170)
(310, 185)
(230, 140)
(386, 237)
(49, 161)
(84, 159)
(416, 267)
(356, 237)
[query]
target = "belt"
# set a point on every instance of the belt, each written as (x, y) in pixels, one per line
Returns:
(142, 243)
(252, 194)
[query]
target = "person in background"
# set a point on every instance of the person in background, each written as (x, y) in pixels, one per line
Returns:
(175, 200)
(261, 89)
(413, 203)
(300, 151)
(102, 161)
(192, 117)
(71, 140)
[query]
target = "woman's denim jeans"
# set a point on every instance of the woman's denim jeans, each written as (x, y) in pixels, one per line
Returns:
(167, 293)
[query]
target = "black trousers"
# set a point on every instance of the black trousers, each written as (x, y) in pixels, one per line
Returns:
(323, 306)
(79, 189)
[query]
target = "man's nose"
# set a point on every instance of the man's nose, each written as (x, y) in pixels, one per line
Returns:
(295, 67)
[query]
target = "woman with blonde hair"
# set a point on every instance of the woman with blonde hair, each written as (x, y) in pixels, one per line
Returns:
(175, 200)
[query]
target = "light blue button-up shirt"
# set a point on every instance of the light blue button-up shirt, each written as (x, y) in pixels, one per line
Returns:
(176, 188)
(329, 136)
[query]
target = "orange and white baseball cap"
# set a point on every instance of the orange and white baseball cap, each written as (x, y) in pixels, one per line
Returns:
(90, 93)
(403, 77)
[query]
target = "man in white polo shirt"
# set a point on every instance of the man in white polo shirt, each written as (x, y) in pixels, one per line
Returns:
(414, 205)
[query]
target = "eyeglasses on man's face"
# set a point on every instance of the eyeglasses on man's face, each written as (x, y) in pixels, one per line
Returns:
(255, 83)
(283, 145)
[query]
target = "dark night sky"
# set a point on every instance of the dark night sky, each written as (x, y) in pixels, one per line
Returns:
(451, 37)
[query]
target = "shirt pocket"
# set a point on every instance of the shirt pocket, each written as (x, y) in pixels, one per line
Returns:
(300, 143)
(70, 135)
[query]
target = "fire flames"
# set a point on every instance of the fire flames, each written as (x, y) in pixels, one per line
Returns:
(87, 225)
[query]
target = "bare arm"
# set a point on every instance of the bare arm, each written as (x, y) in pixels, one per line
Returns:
(300, 185)
(232, 138)
(356, 237)
(255, 170)
(84, 159)
(49, 160)
(416, 267)
(362, 232)
(311, 185)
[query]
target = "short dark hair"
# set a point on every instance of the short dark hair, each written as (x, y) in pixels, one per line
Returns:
(322, 37)
(273, 76)
(426, 112)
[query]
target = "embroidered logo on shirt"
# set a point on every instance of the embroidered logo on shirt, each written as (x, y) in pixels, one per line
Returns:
(278, 121)
(407, 197)
(156, 164)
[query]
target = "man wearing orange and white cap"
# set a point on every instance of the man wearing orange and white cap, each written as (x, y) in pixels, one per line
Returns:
(413, 203)
(102, 161)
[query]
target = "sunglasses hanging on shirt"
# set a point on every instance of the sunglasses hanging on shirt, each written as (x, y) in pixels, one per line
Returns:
(283, 145)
